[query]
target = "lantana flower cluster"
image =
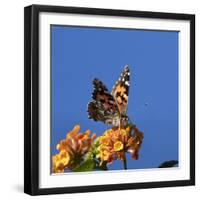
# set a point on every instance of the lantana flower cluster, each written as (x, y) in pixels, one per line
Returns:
(116, 142)
(112, 145)
(72, 149)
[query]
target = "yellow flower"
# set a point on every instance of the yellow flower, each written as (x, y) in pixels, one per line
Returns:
(72, 149)
(64, 156)
(115, 142)
(118, 146)
(60, 161)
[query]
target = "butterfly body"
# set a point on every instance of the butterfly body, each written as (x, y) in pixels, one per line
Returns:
(110, 108)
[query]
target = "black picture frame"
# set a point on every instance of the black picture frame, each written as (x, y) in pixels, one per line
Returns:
(31, 98)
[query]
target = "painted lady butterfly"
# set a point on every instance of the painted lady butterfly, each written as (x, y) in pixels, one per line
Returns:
(110, 108)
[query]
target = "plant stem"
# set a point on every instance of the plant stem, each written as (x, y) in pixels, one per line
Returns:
(124, 161)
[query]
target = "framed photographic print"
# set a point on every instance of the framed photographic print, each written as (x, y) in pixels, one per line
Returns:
(109, 99)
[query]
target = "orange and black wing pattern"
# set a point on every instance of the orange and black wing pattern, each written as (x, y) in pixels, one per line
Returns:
(120, 91)
(103, 106)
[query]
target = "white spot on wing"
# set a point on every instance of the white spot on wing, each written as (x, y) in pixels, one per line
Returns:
(127, 83)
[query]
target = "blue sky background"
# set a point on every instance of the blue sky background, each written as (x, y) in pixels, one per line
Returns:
(80, 54)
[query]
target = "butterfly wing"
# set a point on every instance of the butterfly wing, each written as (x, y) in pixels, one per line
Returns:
(120, 90)
(103, 106)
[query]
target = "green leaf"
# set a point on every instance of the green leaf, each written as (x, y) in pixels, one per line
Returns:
(95, 146)
(170, 163)
(87, 165)
(90, 161)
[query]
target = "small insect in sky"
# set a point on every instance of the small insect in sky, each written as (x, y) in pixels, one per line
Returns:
(111, 108)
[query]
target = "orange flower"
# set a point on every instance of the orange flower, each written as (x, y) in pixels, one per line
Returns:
(134, 143)
(118, 146)
(115, 142)
(72, 149)
(60, 161)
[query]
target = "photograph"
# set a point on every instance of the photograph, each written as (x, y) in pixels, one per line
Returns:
(114, 99)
